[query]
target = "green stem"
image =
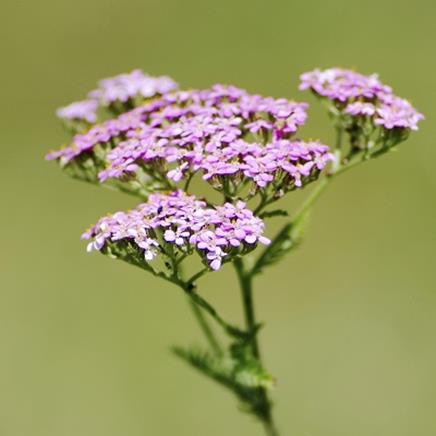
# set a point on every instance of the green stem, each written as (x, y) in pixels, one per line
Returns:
(188, 182)
(270, 428)
(319, 188)
(207, 307)
(311, 199)
(363, 158)
(190, 290)
(263, 204)
(198, 313)
(205, 327)
(246, 285)
(196, 276)
(136, 192)
(347, 167)
(339, 135)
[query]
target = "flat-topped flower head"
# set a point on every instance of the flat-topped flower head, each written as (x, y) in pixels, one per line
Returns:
(396, 113)
(360, 108)
(343, 85)
(363, 104)
(119, 94)
(128, 87)
(180, 224)
(196, 115)
(85, 110)
(234, 139)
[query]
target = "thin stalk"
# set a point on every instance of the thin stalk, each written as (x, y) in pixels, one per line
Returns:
(363, 158)
(205, 327)
(196, 276)
(311, 199)
(188, 182)
(198, 313)
(126, 189)
(339, 135)
(270, 428)
(264, 203)
(207, 307)
(246, 285)
(321, 185)
(245, 281)
(348, 166)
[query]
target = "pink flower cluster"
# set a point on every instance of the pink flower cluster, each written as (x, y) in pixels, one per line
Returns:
(343, 85)
(128, 86)
(123, 90)
(85, 110)
(99, 134)
(222, 131)
(394, 112)
(362, 96)
(186, 224)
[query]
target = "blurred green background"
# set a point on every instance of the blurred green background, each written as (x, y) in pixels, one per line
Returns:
(351, 316)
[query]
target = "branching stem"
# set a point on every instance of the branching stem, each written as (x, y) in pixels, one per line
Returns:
(205, 327)
(207, 307)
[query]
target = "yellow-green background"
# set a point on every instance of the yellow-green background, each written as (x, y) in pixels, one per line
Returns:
(351, 316)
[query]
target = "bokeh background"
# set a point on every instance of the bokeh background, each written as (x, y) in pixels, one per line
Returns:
(351, 316)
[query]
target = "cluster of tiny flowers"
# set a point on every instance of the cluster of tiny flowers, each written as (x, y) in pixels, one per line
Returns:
(120, 89)
(128, 86)
(185, 223)
(362, 96)
(394, 112)
(222, 131)
(99, 134)
(85, 110)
